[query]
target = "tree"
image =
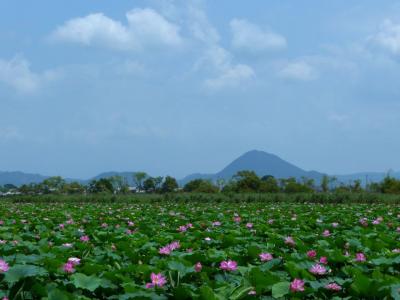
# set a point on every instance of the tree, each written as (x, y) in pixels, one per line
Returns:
(120, 184)
(325, 183)
(52, 184)
(138, 179)
(149, 185)
(8, 187)
(356, 186)
(269, 184)
(200, 186)
(332, 182)
(308, 182)
(291, 185)
(390, 185)
(103, 185)
(247, 181)
(220, 183)
(158, 181)
(73, 188)
(169, 185)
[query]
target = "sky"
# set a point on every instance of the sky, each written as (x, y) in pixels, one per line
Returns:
(178, 87)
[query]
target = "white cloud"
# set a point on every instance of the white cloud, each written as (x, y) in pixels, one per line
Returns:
(299, 70)
(231, 76)
(200, 27)
(227, 74)
(249, 37)
(388, 37)
(17, 74)
(217, 61)
(145, 27)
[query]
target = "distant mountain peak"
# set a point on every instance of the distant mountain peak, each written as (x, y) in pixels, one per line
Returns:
(262, 163)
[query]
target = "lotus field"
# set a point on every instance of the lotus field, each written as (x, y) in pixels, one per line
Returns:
(170, 250)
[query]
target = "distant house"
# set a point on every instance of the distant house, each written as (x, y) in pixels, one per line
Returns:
(10, 193)
(134, 189)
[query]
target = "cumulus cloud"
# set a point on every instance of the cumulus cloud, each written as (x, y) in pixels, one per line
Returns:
(216, 60)
(16, 73)
(298, 70)
(250, 37)
(388, 37)
(228, 74)
(200, 27)
(145, 27)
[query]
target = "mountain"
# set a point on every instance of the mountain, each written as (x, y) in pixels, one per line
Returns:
(19, 178)
(262, 163)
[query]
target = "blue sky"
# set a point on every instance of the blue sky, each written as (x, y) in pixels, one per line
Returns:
(175, 87)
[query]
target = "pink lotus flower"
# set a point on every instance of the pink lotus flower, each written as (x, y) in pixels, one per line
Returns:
(364, 222)
(166, 250)
(85, 238)
(335, 224)
(104, 225)
(156, 280)
(70, 221)
(311, 253)
(318, 269)
(61, 226)
(360, 257)
(216, 223)
(74, 261)
(198, 267)
(130, 223)
(252, 293)
(266, 256)
(229, 265)
(249, 225)
(175, 245)
(271, 221)
(333, 287)
(290, 241)
(237, 219)
(69, 267)
(323, 260)
(189, 225)
(182, 228)
(326, 233)
(297, 285)
(3, 266)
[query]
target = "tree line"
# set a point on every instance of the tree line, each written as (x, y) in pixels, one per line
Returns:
(242, 182)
